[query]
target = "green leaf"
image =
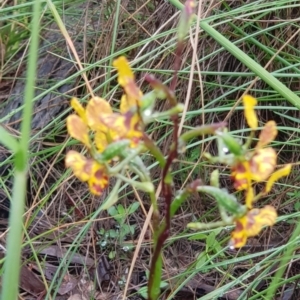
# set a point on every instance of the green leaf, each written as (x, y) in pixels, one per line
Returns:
(121, 210)
(201, 260)
(112, 211)
(210, 240)
(297, 206)
(198, 236)
(126, 229)
(113, 233)
(8, 140)
(133, 207)
(112, 254)
(143, 291)
(101, 231)
(132, 229)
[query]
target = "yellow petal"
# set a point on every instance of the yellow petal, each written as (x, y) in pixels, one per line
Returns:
(262, 164)
(267, 135)
(124, 105)
(78, 129)
(285, 171)
(98, 180)
(127, 103)
(133, 92)
(249, 197)
(239, 236)
(126, 80)
(79, 165)
(134, 126)
(124, 71)
(258, 218)
(116, 124)
(100, 141)
(79, 109)
(251, 224)
(95, 109)
(250, 115)
(241, 176)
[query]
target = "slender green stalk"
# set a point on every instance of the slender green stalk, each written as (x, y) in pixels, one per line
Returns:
(12, 263)
(30, 80)
(14, 242)
(147, 187)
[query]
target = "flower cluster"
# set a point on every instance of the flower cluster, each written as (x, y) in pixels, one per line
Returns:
(251, 167)
(97, 127)
(112, 136)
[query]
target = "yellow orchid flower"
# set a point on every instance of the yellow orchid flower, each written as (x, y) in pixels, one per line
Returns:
(124, 126)
(262, 164)
(251, 224)
(88, 170)
(258, 165)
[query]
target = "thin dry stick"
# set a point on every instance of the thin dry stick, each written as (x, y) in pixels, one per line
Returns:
(194, 44)
(190, 84)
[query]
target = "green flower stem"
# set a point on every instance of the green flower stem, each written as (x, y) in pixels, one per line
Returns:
(207, 226)
(113, 196)
(178, 201)
(157, 115)
(201, 130)
(161, 90)
(10, 283)
(140, 173)
(145, 186)
(138, 167)
(224, 199)
(154, 150)
(249, 140)
(122, 165)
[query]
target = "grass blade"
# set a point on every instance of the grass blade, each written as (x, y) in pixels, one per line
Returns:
(252, 65)
(13, 259)
(8, 140)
